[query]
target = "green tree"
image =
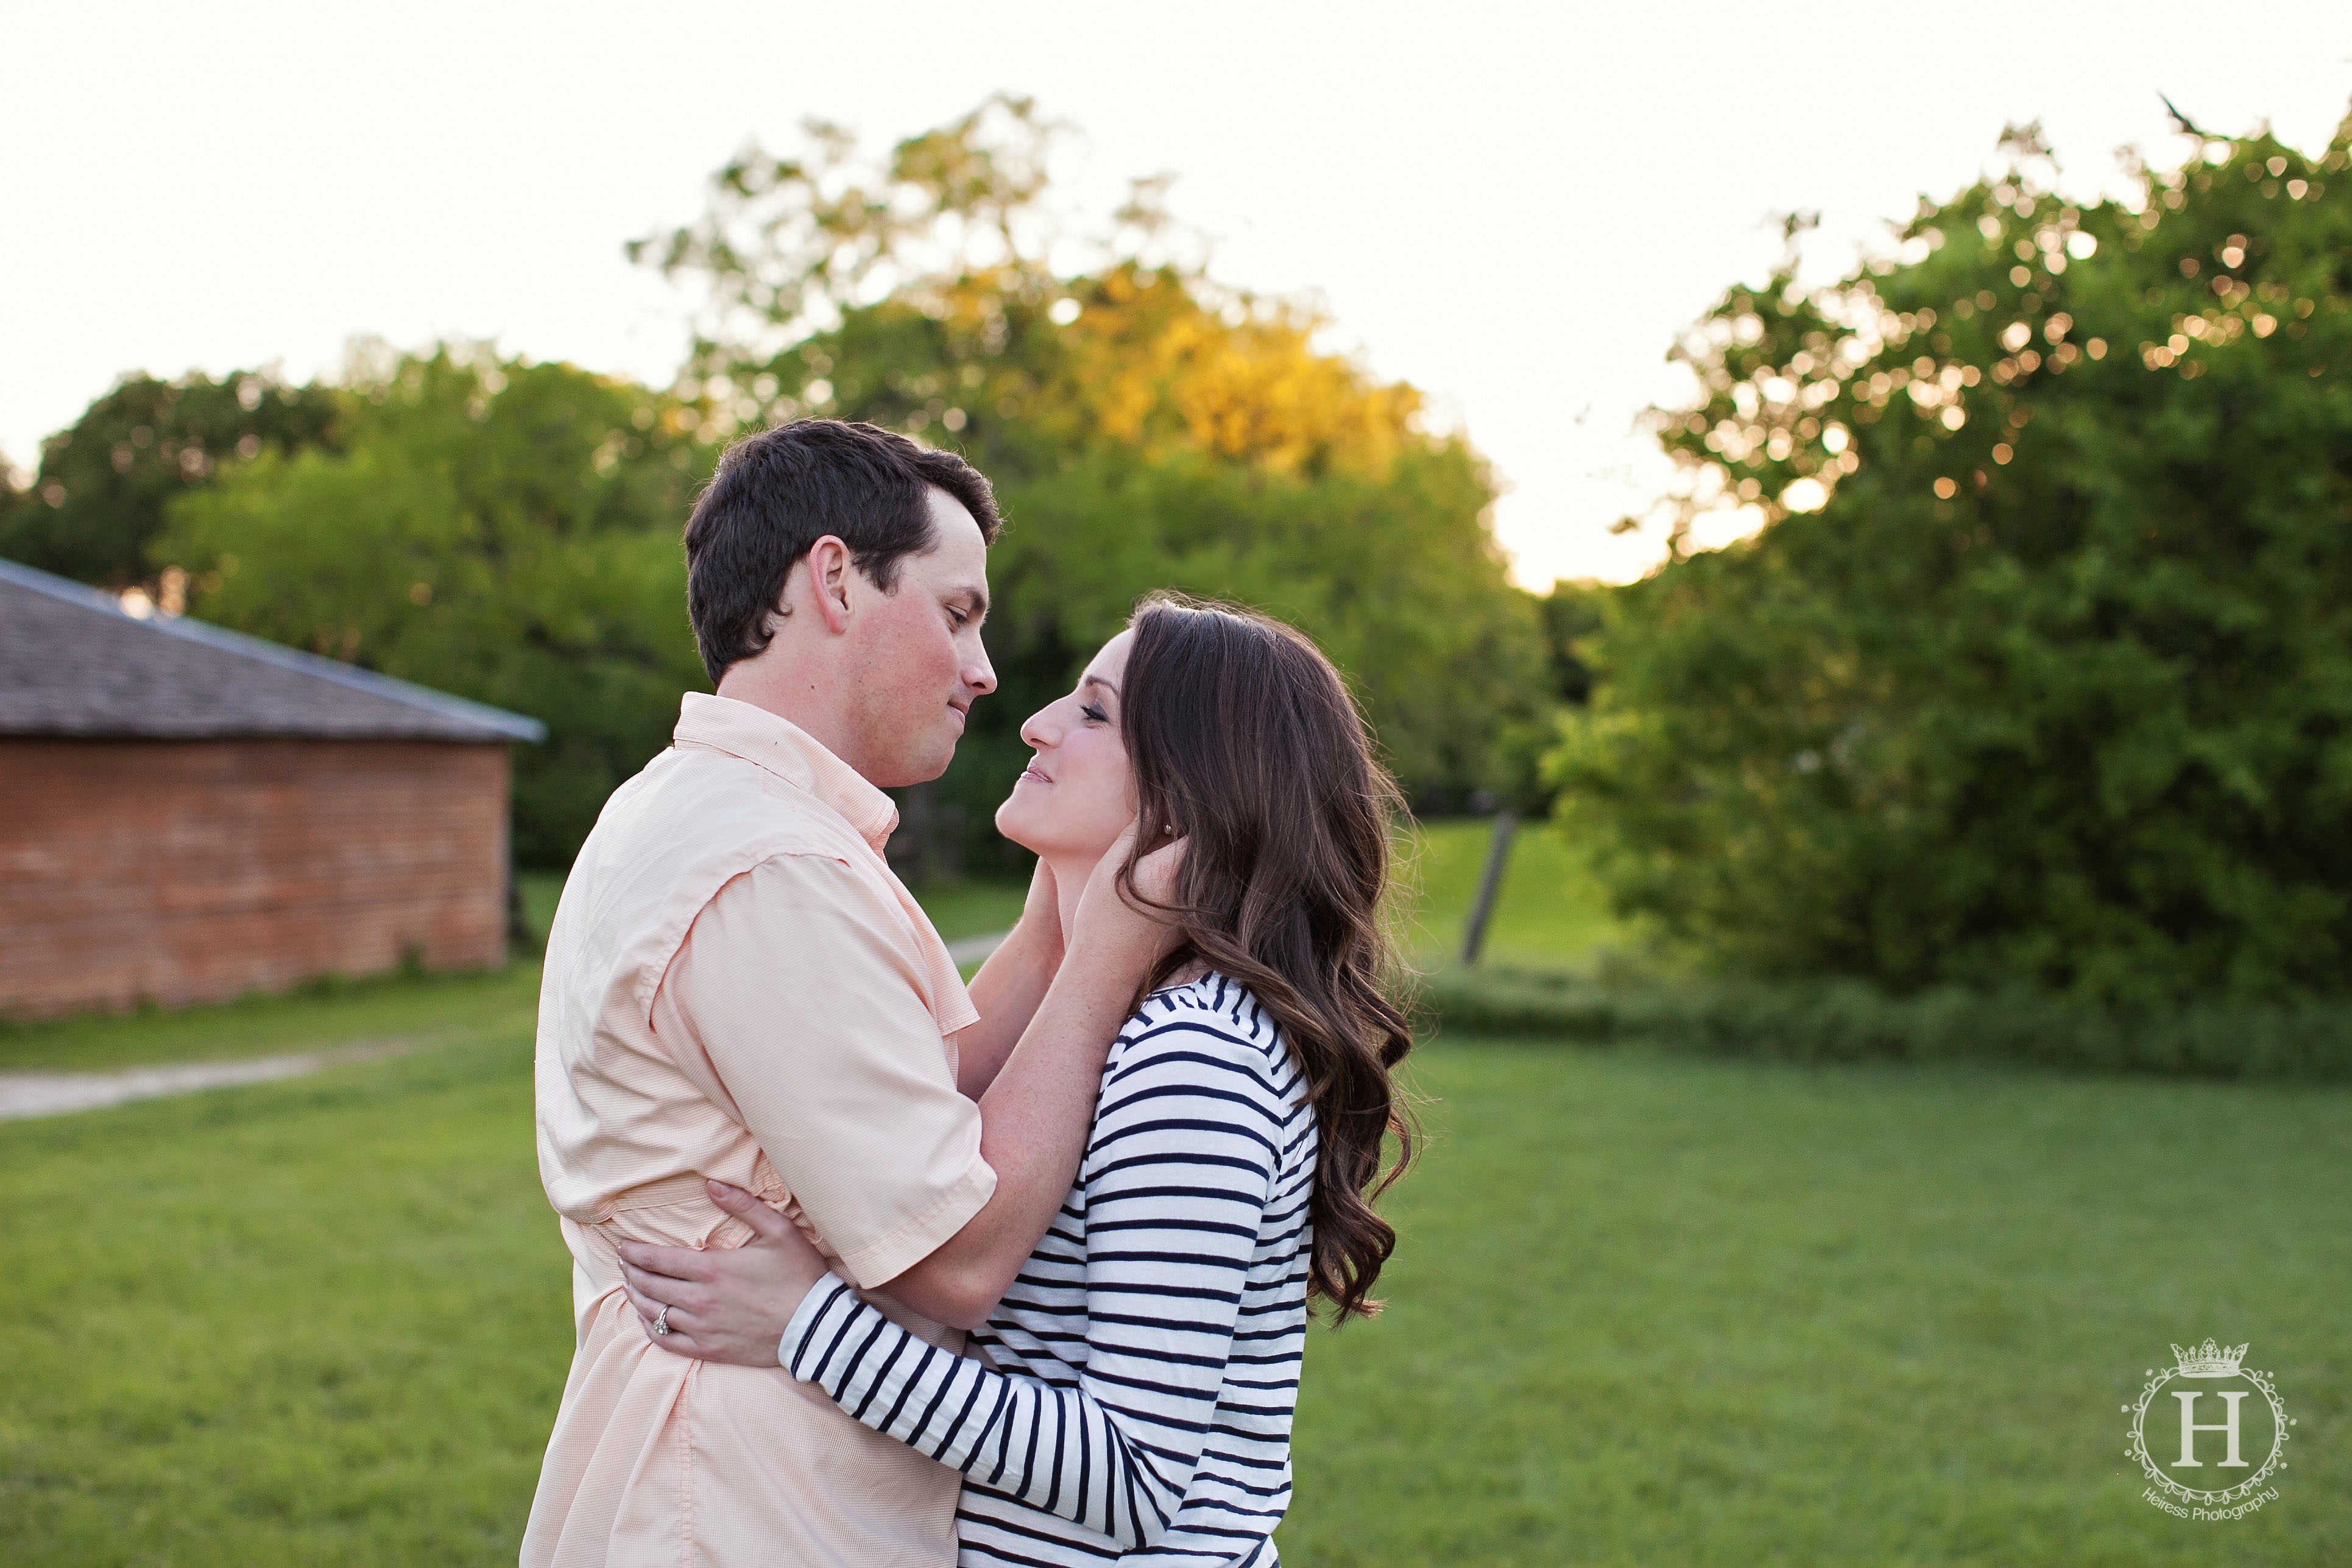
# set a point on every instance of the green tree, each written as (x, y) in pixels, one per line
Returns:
(1146, 428)
(2041, 669)
(104, 483)
(498, 529)
(1570, 614)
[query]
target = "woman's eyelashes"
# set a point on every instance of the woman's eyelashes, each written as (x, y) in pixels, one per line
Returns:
(1093, 713)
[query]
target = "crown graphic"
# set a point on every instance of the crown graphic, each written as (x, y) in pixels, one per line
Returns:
(2208, 1359)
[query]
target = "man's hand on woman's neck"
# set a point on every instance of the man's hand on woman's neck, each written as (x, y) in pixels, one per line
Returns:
(1069, 886)
(1012, 983)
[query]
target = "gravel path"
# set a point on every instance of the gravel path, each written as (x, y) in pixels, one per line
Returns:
(24, 1094)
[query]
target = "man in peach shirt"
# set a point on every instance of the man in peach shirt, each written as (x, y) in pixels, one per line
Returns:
(737, 989)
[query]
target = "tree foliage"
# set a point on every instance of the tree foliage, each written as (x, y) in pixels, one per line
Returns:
(104, 481)
(2042, 669)
(502, 530)
(1146, 428)
(12, 496)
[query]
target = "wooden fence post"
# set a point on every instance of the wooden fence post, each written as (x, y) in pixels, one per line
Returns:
(1490, 883)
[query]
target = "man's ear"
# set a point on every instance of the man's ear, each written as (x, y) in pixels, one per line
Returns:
(829, 568)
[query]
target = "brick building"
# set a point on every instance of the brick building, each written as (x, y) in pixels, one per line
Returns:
(188, 814)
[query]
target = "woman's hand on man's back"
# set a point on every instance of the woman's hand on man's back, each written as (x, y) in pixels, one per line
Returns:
(728, 1304)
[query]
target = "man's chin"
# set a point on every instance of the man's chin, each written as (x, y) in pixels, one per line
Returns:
(920, 764)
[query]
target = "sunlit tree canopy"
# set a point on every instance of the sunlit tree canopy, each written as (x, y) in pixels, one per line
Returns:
(511, 531)
(1146, 426)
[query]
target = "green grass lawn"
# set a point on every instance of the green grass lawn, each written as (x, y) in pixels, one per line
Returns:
(973, 908)
(319, 1321)
(1647, 1308)
(1668, 1310)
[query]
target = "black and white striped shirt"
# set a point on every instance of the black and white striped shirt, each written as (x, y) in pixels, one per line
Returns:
(1142, 1370)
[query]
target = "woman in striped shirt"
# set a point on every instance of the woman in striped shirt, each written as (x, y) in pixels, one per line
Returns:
(1134, 1389)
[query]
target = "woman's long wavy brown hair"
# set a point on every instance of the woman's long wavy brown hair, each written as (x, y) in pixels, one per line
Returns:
(1245, 742)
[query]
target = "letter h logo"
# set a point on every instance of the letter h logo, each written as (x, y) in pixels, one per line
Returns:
(2189, 1427)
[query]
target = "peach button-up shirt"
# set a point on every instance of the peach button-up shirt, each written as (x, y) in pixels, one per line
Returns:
(737, 986)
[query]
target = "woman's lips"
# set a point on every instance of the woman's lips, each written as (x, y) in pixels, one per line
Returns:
(1032, 774)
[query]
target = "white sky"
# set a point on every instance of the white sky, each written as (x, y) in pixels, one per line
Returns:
(1514, 206)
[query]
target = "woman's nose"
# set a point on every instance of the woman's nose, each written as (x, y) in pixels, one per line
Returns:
(1039, 730)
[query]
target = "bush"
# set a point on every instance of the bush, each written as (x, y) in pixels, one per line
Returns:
(2040, 672)
(1847, 1020)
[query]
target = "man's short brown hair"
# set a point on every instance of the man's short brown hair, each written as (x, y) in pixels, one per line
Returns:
(778, 492)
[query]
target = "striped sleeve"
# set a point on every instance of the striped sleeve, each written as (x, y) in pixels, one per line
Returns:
(1189, 1136)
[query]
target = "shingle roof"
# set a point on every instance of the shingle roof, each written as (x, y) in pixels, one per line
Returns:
(73, 662)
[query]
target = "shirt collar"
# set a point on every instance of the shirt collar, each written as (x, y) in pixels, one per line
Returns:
(792, 753)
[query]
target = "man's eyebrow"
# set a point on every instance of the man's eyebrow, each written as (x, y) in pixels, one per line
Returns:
(975, 601)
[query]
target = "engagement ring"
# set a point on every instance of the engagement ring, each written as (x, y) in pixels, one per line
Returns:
(661, 1322)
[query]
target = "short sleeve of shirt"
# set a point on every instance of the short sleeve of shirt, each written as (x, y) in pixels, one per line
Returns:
(798, 986)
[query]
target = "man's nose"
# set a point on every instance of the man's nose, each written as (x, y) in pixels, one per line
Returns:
(981, 676)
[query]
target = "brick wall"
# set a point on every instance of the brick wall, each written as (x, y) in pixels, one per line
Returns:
(185, 871)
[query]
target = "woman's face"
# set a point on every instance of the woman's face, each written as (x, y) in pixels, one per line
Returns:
(1078, 794)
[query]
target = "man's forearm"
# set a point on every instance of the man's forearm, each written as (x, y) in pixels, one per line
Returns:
(1034, 1118)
